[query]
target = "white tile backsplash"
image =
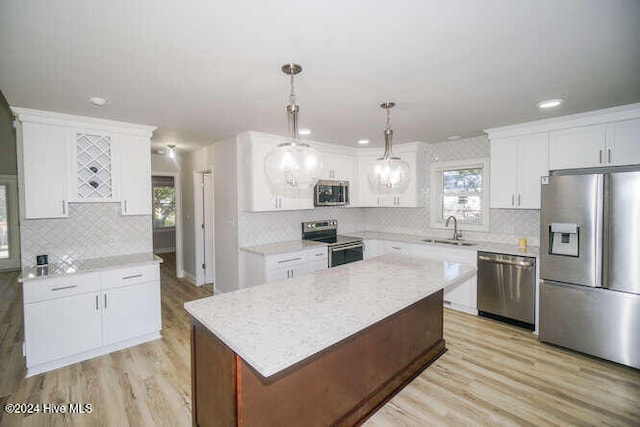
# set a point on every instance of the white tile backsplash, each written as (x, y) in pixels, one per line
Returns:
(506, 225)
(92, 230)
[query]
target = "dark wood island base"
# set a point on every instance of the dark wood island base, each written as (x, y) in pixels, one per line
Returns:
(342, 385)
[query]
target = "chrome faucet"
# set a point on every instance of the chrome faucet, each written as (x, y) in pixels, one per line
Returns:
(457, 235)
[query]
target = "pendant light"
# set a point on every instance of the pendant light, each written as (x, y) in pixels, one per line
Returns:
(293, 165)
(388, 174)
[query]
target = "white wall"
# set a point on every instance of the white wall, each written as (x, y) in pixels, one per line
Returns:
(164, 163)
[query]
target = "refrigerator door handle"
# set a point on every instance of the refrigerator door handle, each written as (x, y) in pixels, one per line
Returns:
(601, 182)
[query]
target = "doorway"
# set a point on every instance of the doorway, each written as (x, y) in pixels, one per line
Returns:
(9, 241)
(167, 226)
(204, 228)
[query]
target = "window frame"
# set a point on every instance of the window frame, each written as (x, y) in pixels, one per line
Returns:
(153, 207)
(436, 193)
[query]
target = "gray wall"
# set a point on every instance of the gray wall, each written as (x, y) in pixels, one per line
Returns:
(8, 164)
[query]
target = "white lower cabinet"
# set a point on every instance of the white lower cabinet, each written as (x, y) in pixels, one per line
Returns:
(62, 327)
(460, 297)
(130, 311)
(73, 318)
(260, 268)
(373, 248)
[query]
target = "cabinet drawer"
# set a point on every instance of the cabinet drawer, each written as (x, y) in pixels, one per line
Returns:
(130, 276)
(320, 254)
(318, 266)
(58, 287)
(286, 260)
(397, 248)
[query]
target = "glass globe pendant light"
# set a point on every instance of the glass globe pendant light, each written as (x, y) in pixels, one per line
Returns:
(293, 165)
(388, 174)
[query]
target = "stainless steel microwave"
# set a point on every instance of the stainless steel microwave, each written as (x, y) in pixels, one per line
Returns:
(331, 193)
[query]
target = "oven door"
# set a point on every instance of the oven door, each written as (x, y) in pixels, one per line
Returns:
(331, 193)
(345, 254)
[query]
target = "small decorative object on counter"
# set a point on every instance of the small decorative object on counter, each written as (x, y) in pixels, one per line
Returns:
(522, 244)
(42, 260)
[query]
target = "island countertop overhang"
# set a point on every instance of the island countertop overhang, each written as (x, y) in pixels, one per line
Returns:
(276, 325)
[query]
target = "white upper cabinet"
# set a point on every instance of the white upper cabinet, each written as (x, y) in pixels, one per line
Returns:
(517, 164)
(340, 167)
(43, 162)
(134, 160)
(610, 144)
(258, 195)
(413, 196)
(65, 158)
(580, 147)
(623, 143)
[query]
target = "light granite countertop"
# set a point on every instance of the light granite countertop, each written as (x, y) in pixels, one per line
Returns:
(278, 324)
(281, 247)
(504, 248)
(87, 266)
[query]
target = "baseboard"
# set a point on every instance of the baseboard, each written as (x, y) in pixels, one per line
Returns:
(216, 291)
(462, 308)
(180, 274)
(163, 250)
(190, 278)
(100, 351)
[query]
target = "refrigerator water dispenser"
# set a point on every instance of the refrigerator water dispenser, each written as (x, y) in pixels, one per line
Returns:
(564, 239)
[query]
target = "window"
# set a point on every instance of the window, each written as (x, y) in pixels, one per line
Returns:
(460, 189)
(164, 202)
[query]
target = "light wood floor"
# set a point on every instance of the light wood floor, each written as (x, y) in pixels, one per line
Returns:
(493, 374)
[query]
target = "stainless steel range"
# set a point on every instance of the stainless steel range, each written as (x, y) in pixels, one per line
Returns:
(342, 249)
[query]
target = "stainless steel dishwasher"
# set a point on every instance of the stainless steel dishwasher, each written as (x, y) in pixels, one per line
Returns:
(507, 288)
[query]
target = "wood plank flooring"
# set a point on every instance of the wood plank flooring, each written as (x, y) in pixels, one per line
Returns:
(493, 374)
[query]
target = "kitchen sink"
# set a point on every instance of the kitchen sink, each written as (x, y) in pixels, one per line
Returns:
(450, 241)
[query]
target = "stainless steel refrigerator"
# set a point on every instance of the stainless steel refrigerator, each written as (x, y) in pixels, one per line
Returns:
(590, 264)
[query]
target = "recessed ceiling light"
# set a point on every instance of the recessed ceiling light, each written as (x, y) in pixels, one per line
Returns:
(363, 141)
(160, 151)
(550, 103)
(304, 131)
(454, 137)
(98, 101)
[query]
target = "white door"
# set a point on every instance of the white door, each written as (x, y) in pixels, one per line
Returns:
(623, 143)
(62, 327)
(130, 312)
(207, 229)
(9, 241)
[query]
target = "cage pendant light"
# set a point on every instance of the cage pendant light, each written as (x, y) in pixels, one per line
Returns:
(388, 174)
(293, 165)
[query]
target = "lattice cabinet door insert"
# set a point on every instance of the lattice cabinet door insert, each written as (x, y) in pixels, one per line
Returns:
(94, 156)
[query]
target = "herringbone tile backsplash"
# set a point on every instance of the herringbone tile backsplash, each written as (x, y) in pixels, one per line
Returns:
(92, 230)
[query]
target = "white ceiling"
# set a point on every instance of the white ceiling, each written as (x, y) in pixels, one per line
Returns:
(205, 70)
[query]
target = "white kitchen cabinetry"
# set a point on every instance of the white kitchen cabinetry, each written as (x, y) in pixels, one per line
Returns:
(134, 160)
(64, 158)
(402, 248)
(260, 268)
(517, 164)
(76, 317)
(609, 144)
(258, 193)
(411, 197)
(43, 162)
(62, 327)
(373, 248)
(338, 166)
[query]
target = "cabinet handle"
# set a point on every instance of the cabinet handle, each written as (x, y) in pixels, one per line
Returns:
(132, 277)
(609, 154)
(97, 307)
(64, 287)
(288, 274)
(600, 156)
(289, 260)
(291, 273)
(125, 206)
(513, 200)
(518, 199)
(105, 300)
(396, 247)
(64, 208)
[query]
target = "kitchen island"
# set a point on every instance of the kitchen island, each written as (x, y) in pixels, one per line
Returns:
(324, 348)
